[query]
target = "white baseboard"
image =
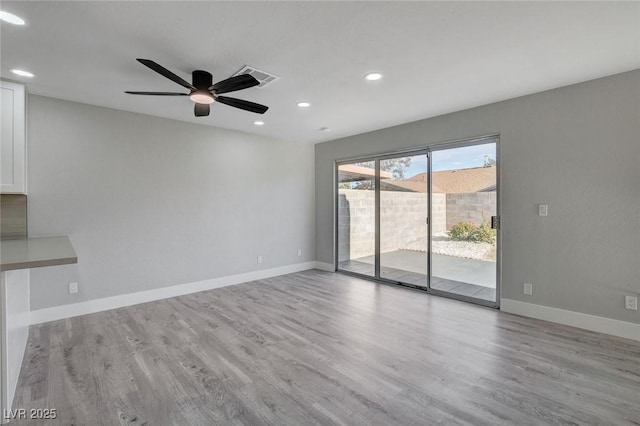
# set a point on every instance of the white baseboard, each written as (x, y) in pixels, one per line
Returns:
(325, 266)
(97, 305)
(618, 328)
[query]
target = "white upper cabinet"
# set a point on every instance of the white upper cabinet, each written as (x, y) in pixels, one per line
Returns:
(13, 155)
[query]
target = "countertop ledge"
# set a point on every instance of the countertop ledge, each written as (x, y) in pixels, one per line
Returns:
(36, 252)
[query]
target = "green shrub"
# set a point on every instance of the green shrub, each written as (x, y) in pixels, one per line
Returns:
(462, 231)
(484, 233)
(467, 231)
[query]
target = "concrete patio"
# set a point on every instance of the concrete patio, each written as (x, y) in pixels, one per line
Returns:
(467, 277)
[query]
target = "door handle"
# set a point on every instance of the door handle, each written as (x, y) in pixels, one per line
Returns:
(495, 222)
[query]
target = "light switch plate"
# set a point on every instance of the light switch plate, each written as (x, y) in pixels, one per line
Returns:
(631, 302)
(528, 289)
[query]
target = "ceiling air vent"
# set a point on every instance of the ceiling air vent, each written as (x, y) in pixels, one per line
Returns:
(263, 77)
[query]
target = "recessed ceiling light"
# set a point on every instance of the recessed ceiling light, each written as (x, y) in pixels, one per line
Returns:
(304, 104)
(22, 73)
(373, 76)
(11, 18)
(259, 123)
(325, 129)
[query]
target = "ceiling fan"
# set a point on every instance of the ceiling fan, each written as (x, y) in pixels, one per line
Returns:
(203, 92)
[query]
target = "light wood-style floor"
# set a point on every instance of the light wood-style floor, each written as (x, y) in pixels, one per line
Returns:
(325, 348)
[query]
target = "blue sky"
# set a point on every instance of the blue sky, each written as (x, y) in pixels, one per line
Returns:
(451, 159)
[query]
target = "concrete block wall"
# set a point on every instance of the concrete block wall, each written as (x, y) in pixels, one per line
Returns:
(356, 224)
(474, 207)
(438, 213)
(402, 216)
(403, 219)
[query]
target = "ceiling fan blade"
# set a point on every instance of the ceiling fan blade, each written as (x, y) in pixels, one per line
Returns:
(166, 73)
(245, 105)
(202, 110)
(157, 93)
(239, 82)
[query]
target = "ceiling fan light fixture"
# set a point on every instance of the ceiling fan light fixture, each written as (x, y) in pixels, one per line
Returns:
(203, 93)
(201, 97)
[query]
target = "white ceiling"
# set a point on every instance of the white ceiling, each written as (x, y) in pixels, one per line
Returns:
(436, 57)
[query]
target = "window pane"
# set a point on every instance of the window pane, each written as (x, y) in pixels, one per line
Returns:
(356, 217)
(463, 258)
(403, 219)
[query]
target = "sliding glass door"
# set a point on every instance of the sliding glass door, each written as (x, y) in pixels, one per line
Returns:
(425, 218)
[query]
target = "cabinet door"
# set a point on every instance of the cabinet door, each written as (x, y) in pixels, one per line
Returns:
(13, 179)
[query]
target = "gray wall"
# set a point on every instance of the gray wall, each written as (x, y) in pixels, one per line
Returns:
(151, 202)
(575, 148)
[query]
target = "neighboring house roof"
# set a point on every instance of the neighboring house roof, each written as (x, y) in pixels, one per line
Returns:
(403, 186)
(464, 180)
(478, 179)
(491, 188)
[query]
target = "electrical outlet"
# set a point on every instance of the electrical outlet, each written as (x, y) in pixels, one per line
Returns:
(631, 302)
(299, 252)
(259, 259)
(543, 210)
(73, 288)
(528, 289)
